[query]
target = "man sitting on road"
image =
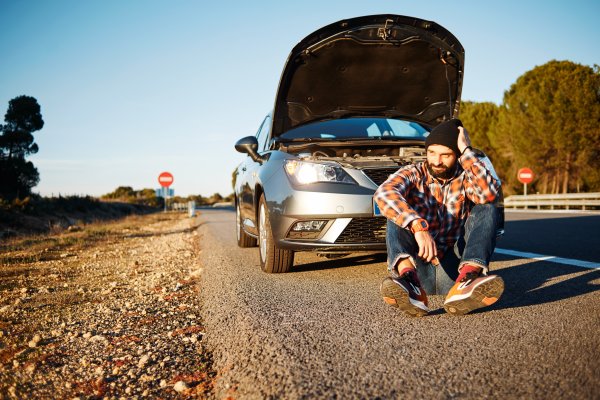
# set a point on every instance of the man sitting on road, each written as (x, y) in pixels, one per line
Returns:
(441, 227)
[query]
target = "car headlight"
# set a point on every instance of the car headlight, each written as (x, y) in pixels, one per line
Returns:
(304, 173)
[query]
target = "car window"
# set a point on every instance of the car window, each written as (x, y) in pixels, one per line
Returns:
(358, 128)
(263, 134)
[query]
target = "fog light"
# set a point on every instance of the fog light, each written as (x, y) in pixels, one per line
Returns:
(308, 226)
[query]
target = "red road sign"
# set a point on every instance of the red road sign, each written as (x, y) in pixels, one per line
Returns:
(165, 179)
(525, 175)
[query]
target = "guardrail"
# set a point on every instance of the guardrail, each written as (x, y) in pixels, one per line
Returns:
(582, 201)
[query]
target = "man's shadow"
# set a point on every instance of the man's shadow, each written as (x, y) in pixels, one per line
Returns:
(524, 283)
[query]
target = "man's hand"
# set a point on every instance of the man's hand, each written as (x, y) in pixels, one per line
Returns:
(427, 249)
(464, 140)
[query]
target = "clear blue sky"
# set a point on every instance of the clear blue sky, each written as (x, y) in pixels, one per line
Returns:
(129, 89)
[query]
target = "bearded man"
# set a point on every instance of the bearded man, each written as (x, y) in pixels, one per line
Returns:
(441, 228)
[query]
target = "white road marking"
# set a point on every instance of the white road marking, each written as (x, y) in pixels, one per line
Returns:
(553, 259)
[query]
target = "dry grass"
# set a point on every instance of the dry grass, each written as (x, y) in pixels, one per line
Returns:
(52, 246)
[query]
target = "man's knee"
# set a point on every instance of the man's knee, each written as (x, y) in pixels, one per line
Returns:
(487, 212)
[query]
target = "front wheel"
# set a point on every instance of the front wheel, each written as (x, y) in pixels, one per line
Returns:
(272, 258)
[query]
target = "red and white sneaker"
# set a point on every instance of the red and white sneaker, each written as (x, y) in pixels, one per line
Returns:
(405, 293)
(472, 291)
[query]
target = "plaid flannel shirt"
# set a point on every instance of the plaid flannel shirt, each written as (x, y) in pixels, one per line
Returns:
(412, 193)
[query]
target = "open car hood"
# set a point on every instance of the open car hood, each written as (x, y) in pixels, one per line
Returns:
(380, 65)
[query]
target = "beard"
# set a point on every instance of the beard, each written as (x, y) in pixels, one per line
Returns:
(442, 172)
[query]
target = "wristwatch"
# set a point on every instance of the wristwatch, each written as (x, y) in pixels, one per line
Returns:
(419, 225)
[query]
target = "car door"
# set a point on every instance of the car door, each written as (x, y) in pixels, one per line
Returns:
(249, 170)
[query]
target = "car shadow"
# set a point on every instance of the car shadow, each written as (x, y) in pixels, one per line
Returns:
(539, 282)
(342, 262)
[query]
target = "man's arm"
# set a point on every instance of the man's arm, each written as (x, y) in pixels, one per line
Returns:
(480, 185)
(390, 198)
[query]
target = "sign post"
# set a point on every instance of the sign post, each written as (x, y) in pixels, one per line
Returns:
(165, 179)
(525, 176)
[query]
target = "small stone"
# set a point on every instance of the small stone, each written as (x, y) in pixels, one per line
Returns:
(87, 335)
(163, 383)
(180, 386)
(34, 342)
(143, 361)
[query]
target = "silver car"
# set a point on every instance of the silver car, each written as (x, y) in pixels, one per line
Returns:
(356, 101)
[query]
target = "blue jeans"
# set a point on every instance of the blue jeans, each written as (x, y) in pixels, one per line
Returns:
(475, 245)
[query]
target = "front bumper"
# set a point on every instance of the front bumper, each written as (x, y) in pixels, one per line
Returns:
(350, 227)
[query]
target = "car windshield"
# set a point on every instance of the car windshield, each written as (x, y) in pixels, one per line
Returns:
(359, 128)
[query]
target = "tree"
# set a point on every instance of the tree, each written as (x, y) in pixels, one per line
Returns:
(17, 175)
(550, 121)
(481, 119)
(215, 198)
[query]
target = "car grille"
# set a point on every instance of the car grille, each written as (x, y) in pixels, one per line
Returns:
(364, 230)
(379, 175)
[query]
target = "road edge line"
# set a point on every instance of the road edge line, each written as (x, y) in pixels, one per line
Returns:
(552, 259)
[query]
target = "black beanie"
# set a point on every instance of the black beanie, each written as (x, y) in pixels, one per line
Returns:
(445, 134)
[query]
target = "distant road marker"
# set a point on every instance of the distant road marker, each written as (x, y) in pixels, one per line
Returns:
(552, 259)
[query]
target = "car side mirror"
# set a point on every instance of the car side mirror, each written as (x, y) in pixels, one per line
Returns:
(249, 145)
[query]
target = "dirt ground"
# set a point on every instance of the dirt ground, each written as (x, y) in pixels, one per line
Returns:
(104, 311)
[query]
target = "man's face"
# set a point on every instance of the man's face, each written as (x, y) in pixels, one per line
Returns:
(441, 161)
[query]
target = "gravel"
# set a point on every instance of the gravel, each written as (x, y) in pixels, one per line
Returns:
(108, 319)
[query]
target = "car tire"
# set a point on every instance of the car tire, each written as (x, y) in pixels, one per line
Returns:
(243, 239)
(272, 258)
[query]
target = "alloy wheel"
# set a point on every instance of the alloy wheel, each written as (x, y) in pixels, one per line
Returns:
(262, 233)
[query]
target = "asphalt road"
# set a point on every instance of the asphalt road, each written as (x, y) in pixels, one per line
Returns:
(322, 330)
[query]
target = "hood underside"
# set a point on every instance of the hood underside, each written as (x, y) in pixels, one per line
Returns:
(382, 65)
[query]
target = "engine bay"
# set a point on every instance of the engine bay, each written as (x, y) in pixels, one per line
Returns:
(359, 155)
